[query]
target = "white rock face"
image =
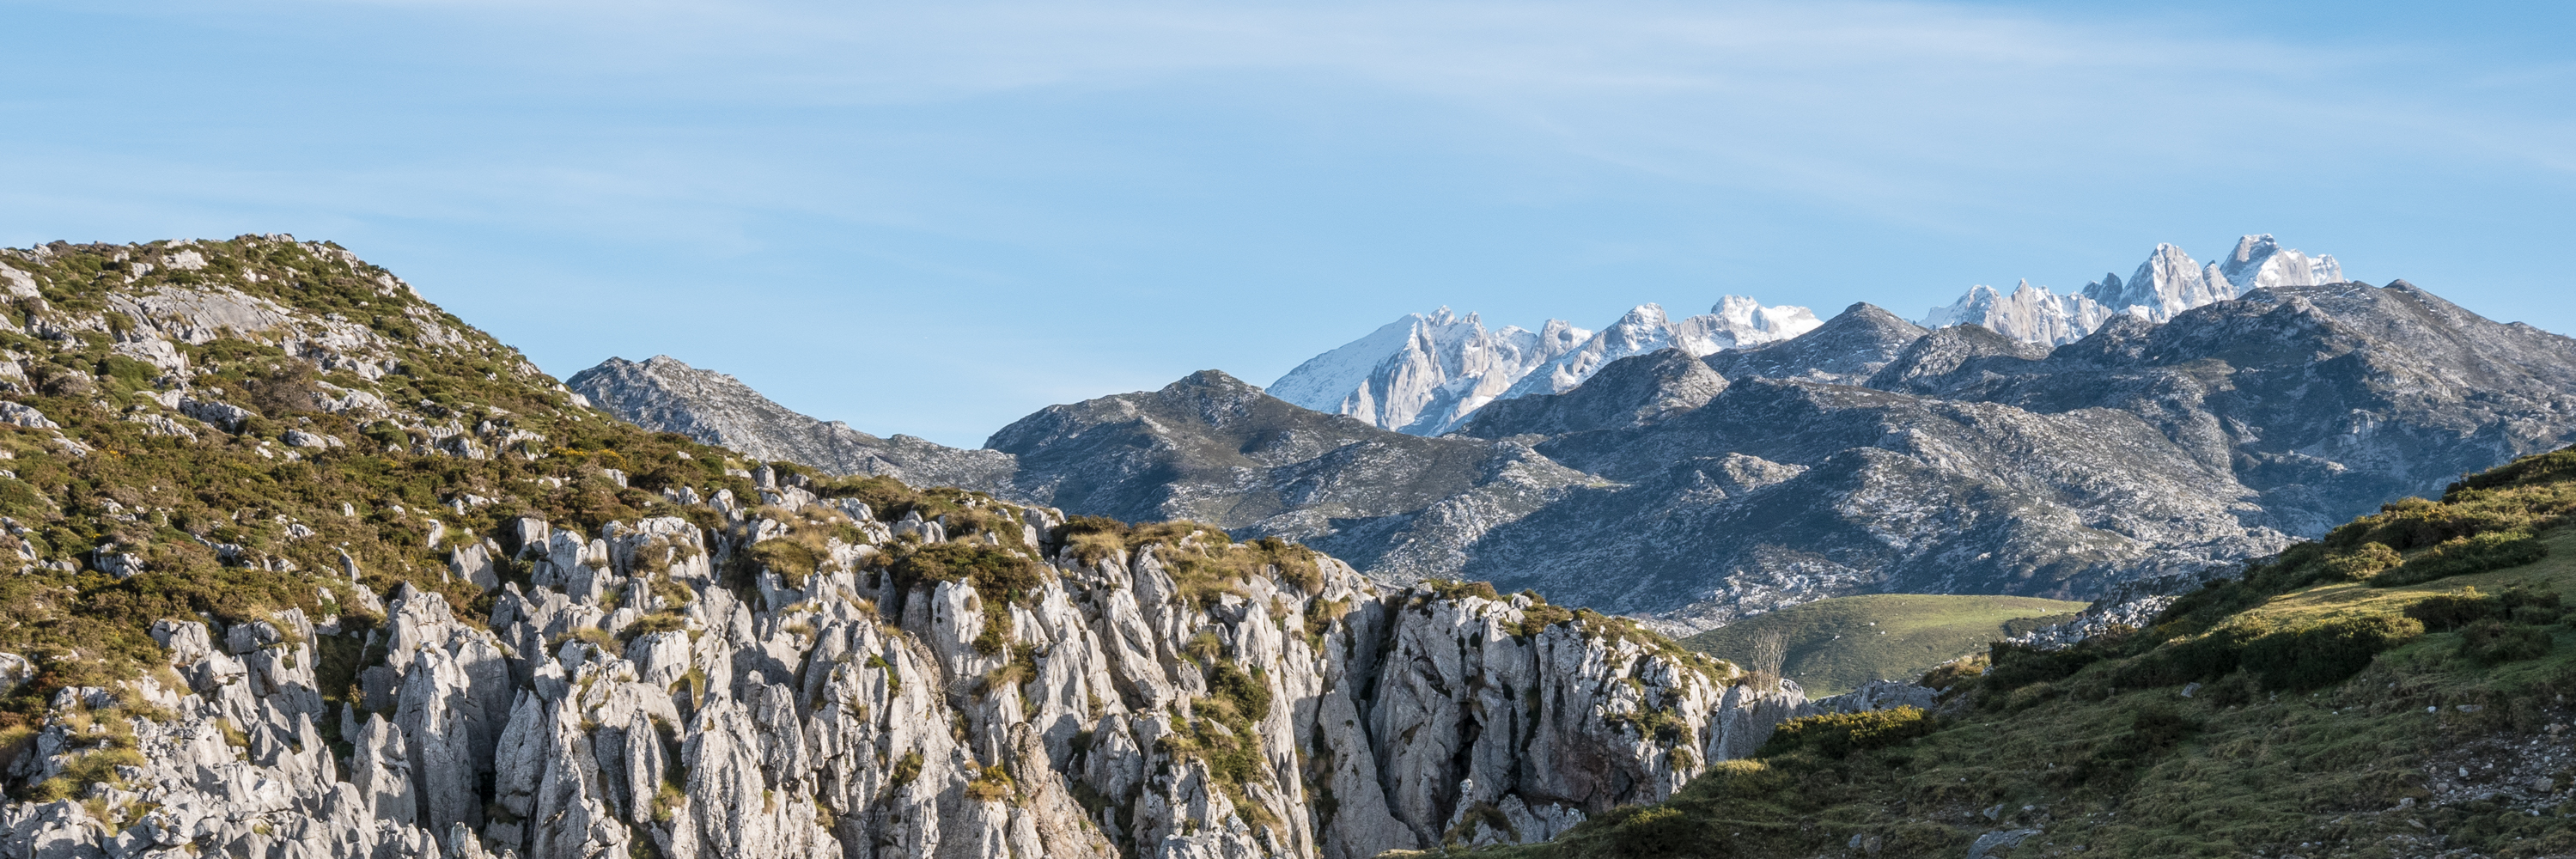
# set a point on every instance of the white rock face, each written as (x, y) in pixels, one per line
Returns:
(1426, 374)
(2260, 263)
(1423, 370)
(2031, 313)
(2168, 283)
(839, 713)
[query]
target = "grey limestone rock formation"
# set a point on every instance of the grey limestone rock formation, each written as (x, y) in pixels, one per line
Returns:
(842, 713)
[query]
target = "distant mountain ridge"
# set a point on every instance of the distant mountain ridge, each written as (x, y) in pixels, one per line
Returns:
(1868, 454)
(664, 394)
(2168, 283)
(1426, 374)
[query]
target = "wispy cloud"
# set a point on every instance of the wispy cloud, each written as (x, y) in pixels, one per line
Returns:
(1076, 168)
(1898, 108)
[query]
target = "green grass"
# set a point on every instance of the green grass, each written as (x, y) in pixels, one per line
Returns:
(2332, 714)
(1837, 644)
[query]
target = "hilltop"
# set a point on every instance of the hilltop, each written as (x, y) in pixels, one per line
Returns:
(2398, 688)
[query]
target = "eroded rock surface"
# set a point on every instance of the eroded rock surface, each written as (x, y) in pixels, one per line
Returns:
(654, 690)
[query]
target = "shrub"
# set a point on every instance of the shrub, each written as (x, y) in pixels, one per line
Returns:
(1203, 648)
(1461, 589)
(1539, 617)
(907, 769)
(2553, 466)
(2493, 550)
(2363, 563)
(1296, 563)
(996, 573)
(791, 560)
(283, 391)
(2018, 665)
(2446, 612)
(1836, 735)
(1658, 831)
(656, 622)
(2326, 652)
(2493, 641)
(1246, 693)
(992, 785)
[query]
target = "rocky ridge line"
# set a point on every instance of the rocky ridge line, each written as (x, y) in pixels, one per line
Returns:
(664, 394)
(847, 715)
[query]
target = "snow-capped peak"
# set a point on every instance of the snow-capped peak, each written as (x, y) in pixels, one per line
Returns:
(2032, 313)
(2168, 283)
(2260, 263)
(1425, 373)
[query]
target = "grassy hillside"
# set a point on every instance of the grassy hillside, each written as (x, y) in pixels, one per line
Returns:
(2399, 688)
(437, 434)
(1837, 644)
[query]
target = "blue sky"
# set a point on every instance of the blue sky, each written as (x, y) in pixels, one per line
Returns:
(934, 218)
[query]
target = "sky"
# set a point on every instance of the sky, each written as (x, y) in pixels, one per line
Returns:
(935, 218)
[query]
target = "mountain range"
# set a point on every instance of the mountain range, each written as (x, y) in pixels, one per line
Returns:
(2201, 425)
(300, 566)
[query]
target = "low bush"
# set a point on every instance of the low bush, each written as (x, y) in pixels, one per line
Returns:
(1836, 735)
(1539, 617)
(2013, 666)
(993, 785)
(2326, 652)
(2458, 556)
(1658, 831)
(2493, 641)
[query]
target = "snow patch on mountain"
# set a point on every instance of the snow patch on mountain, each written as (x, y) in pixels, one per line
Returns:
(2168, 283)
(2031, 313)
(1425, 374)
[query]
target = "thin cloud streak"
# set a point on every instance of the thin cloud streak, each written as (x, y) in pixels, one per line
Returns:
(1066, 170)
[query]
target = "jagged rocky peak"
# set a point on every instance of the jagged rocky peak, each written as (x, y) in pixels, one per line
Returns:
(1945, 350)
(2168, 283)
(2032, 313)
(1734, 322)
(2261, 263)
(1631, 391)
(1844, 350)
(663, 394)
(1426, 374)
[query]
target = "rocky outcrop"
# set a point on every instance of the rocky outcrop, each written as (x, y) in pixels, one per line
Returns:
(1424, 373)
(655, 690)
(2164, 286)
(663, 394)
